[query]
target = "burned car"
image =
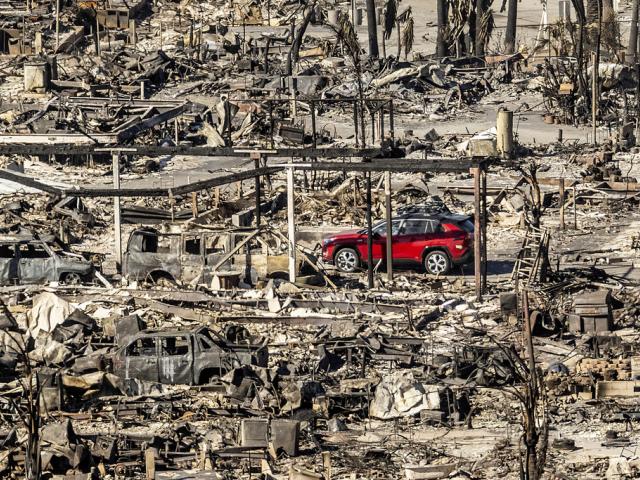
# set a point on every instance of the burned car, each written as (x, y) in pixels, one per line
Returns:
(196, 257)
(190, 357)
(26, 259)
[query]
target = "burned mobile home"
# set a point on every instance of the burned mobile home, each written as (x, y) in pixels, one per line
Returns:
(319, 240)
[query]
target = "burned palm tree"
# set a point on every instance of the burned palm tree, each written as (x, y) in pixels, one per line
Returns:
(390, 13)
(348, 37)
(402, 23)
(407, 33)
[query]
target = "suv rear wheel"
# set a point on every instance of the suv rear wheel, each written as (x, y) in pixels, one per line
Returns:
(347, 260)
(437, 262)
(72, 278)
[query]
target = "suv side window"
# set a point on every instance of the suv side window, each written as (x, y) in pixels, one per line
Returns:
(33, 250)
(414, 227)
(142, 347)
(174, 346)
(382, 228)
(192, 245)
(7, 251)
(433, 227)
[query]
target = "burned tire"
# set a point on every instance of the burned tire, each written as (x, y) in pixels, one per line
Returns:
(437, 263)
(161, 279)
(347, 260)
(71, 278)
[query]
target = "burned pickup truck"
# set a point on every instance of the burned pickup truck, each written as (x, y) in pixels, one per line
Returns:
(184, 357)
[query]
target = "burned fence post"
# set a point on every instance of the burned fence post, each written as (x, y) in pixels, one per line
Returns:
(291, 222)
(369, 233)
(389, 234)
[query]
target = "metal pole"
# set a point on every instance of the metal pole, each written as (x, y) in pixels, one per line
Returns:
(391, 125)
(633, 34)
(527, 327)
(594, 100)
(258, 190)
(369, 234)
(575, 213)
(313, 124)
(389, 243)
(115, 159)
(355, 119)
(477, 252)
(561, 195)
(483, 174)
(58, 24)
(291, 223)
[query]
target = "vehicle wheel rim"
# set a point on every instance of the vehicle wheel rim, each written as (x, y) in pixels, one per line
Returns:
(72, 279)
(347, 261)
(437, 263)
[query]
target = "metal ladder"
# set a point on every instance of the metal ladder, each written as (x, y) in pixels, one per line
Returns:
(532, 256)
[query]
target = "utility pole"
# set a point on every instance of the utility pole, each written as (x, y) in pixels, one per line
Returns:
(632, 49)
(480, 11)
(510, 34)
(441, 44)
(372, 28)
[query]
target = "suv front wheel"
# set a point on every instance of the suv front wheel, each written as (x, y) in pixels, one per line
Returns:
(71, 278)
(347, 260)
(437, 263)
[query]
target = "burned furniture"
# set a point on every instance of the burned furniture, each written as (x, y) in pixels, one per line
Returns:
(592, 312)
(194, 356)
(333, 353)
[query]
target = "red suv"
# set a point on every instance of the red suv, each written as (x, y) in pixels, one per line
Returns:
(435, 241)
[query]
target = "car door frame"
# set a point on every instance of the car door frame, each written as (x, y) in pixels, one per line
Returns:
(151, 360)
(47, 268)
(191, 264)
(9, 265)
(177, 368)
(411, 245)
